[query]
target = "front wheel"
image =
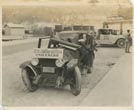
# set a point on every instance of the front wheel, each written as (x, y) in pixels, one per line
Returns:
(27, 80)
(121, 43)
(76, 82)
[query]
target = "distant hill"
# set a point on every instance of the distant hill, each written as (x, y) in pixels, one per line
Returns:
(62, 14)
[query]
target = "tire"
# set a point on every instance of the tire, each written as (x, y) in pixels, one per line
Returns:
(121, 43)
(75, 85)
(27, 81)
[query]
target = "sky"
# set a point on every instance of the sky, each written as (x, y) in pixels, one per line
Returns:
(94, 15)
(98, 13)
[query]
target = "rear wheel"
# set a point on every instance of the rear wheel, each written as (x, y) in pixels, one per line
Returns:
(27, 80)
(76, 82)
(121, 43)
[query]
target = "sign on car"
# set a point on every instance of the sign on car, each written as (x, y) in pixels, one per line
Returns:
(48, 53)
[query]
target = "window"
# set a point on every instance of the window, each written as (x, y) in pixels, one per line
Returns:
(104, 31)
(44, 43)
(114, 32)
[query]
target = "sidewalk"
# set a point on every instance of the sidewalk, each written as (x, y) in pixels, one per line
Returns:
(115, 89)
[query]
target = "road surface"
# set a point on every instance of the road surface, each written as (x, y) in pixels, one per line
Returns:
(14, 92)
(9, 48)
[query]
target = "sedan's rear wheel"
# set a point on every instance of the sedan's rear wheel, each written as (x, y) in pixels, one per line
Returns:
(27, 80)
(121, 43)
(76, 82)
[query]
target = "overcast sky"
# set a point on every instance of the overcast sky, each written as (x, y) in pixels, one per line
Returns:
(97, 14)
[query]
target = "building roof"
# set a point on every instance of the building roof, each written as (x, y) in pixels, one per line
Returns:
(14, 25)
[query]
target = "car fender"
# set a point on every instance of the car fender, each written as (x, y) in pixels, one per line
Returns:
(27, 64)
(24, 64)
(72, 63)
(119, 39)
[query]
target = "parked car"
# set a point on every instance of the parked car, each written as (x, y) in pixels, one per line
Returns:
(110, 36)
(55, 63)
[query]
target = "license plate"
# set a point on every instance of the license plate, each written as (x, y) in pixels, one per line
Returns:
(49, 69)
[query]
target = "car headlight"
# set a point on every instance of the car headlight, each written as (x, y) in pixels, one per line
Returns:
(35, 61)
(60, 62)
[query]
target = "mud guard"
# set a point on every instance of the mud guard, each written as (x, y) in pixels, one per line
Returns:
(72, 63)
(71, 66)
(29, 65)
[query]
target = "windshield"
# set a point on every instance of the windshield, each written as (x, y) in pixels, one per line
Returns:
(104, 32)
(114, 32)
(44, 43)
(108, 32)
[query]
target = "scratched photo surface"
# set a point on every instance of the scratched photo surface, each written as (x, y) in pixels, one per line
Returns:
(25, 21)
(109, 2)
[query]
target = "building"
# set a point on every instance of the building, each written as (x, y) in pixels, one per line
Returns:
(14, 30)
(121, 20)
(119, 23)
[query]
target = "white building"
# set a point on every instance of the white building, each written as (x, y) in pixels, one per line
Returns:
(14, 29)
(119, 23)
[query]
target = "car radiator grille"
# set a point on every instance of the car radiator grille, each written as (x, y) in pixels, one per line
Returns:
(47, 62)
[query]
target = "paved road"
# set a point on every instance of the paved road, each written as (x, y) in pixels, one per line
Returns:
(14, 92)
(11, 49)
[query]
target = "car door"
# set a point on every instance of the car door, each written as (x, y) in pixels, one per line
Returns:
(105, 37)
(113, 36)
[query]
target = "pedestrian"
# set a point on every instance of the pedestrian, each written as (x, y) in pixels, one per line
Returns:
(128, 41)
(91, 45)
(87, 52)
(83, 53)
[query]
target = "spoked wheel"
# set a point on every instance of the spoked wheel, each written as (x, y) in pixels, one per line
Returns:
(27, 79)
(121, 43)
(76, 82)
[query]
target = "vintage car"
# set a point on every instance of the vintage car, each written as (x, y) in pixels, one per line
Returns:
(70, 36)
(110, 36)
(54, 63)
